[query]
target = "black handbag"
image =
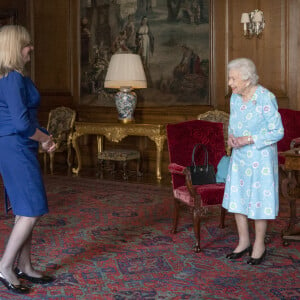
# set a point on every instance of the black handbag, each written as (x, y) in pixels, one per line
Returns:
(203, 174)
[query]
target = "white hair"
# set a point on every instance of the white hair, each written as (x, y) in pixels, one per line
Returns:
(246, 68)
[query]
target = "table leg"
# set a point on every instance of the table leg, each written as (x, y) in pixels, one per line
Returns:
(100, 162)
(288, 184)
(100, 143)
(69, 145)
(159, 141)
(77, 152)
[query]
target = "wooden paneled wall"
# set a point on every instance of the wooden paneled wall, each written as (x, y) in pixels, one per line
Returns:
(19, 5)
(54, 28)
(55, 67)
(275, 53)
(272, 52)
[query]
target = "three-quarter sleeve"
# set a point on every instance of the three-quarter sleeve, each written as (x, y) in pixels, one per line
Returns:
(273, 130)
(16, 98)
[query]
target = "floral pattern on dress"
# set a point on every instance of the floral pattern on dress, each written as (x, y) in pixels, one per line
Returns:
(252, 182)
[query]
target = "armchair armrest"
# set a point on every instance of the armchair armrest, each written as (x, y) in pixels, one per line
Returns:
(176, 169)
(295, 143)
(184, 171)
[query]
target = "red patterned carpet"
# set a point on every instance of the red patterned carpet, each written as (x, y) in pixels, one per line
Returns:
(111, 240)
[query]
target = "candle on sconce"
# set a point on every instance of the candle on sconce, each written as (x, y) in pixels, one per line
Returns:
(253, 23)
(258, 17)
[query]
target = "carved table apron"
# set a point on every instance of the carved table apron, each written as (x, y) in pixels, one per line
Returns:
(115, 132)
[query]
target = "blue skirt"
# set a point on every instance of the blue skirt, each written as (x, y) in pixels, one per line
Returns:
(22, 176)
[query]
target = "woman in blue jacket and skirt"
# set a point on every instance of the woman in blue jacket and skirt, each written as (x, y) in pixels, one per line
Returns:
(20, 135)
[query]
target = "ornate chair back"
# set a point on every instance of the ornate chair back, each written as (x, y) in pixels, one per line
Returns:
(220, 117)
(61, 125)
(291, 124)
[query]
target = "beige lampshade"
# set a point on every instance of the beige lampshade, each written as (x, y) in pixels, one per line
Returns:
(245, 18)
(125, 70)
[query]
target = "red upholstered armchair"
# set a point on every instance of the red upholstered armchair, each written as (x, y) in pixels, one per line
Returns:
(291, 124)
(181, 140)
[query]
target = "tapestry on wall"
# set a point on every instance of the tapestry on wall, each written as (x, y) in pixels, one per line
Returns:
(171, 36)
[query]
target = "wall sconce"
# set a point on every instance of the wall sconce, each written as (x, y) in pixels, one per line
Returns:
(254, 23)
(125, 72)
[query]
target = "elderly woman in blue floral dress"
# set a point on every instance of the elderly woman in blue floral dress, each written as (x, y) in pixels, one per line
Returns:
(251, 189)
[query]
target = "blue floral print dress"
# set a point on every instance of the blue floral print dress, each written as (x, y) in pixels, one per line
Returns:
(252, 181)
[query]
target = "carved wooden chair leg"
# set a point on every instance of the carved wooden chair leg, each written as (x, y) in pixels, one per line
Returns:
(100, 166)
(115, 167)
(196, 222)
(222, 217)
(138, 168)
(125, 175)
(110, 165)
(175, 215)
(51, 162)
(69, 161)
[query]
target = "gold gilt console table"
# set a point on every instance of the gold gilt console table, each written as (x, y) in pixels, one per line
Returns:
(115, 132)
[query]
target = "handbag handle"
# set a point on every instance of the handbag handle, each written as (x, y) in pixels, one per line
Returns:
(205, 155)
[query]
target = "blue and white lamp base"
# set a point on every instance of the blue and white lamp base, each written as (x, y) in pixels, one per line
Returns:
(126, 103)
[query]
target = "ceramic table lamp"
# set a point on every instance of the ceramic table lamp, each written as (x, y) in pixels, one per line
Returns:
(126, 73)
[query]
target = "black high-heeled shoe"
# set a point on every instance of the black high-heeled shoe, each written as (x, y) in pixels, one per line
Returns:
(16, 288)
(40, 280)
(256, 261)
(236, 255)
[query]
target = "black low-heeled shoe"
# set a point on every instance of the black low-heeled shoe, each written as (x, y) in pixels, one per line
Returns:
(40, 280)
(236, 255)
(16, 288)
(256, 261)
